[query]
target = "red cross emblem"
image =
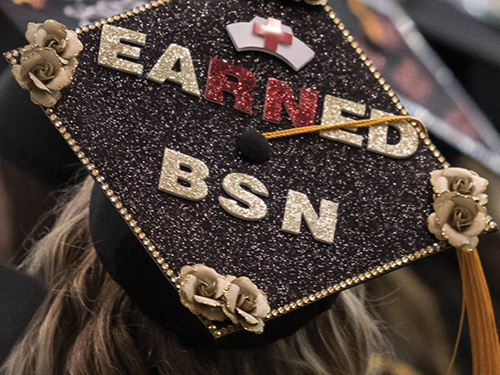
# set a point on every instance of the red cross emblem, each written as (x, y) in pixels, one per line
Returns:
(273, 35)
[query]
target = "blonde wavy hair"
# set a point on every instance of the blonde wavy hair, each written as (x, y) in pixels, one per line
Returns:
(88, 325)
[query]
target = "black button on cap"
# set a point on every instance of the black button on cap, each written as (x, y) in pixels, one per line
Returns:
(254, 146)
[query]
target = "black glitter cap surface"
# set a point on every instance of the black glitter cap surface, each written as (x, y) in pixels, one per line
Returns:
(120, 124)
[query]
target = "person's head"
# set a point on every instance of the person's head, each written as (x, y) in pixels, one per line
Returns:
(88, 325)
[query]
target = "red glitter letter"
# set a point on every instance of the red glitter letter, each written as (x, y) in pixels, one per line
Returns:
(278, 94)
(217, 83)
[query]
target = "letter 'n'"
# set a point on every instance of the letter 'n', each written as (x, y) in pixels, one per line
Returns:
(298, 206)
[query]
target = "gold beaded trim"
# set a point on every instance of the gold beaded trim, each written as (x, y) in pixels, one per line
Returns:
(387, 88)
(114, 199)
(13, 55)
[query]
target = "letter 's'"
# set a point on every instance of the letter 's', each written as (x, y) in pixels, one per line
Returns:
(232, 185)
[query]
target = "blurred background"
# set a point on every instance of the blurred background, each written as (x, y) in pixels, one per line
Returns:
(441, 57)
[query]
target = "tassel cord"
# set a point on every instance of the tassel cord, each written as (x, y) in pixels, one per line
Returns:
(485, 345)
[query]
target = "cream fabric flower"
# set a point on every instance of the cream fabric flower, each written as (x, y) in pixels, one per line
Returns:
(54, 35)
(201, 290)
(460, 180)
(43, 75)
(245, 304)
(458, 219)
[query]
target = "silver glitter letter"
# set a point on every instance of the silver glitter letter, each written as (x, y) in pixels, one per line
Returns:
(163, 69)
(112, 48)
(232, 185)
(171, 173)
(332, 114)
(298, 206)
(377, 138)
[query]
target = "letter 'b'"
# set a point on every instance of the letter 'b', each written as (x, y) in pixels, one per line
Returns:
(172, 174)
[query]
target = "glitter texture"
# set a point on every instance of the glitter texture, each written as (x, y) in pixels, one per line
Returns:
(278, 94)
(171, 173)
(123, 123)
(111, 48)
(322, 226)
(335, 111)
(378, 138)
(164, 69)
(218, 83)
(232, 184)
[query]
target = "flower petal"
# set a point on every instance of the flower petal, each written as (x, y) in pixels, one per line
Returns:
(40, 37)
(31, 31)
(38, 83)
(16, 72)
(246, 284)
(221, 285)
(72, 64)
(480, 185)
(207, 301)
(186, 270)
(443, 211)
(230, 315)
(438, 182)
(249, 318)
(262, 307)
(47, 99)
(49, 56)
(74, 45)
(472, 244)
(211, 313)
(60, 80)
(433, 226)
(202, 271)
(454, 238)
(477, 226)
(255, 328)
(231, 295)
(188, 287)
(482, 199)
(451, 173)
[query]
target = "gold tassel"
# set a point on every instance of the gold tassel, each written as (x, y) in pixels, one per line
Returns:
(482, 327)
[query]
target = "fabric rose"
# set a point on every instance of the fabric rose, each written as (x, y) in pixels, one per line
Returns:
(43, 75)
(245, 304)
(201, 290)
(55, 35)
(460, 180)
(459, 219)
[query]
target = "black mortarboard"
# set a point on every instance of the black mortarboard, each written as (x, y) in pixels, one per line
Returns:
(173, 108)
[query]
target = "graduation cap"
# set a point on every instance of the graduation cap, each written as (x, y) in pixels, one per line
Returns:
(250, 162)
